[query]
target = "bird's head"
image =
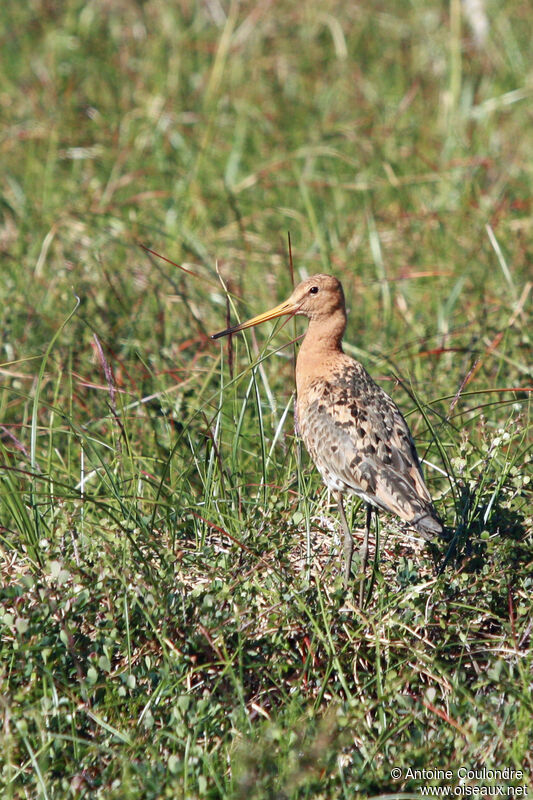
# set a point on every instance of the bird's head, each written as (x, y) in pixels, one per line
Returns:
(317, 297)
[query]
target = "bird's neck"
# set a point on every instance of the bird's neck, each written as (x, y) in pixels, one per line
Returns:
(321, 344)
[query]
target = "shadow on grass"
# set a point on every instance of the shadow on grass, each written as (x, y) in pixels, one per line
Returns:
(486, 531)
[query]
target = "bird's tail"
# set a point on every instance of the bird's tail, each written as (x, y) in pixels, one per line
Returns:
(428, 525)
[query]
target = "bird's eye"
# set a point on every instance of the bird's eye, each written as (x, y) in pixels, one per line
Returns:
(313, 290)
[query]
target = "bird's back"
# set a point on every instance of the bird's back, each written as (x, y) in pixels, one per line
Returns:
(360, 442)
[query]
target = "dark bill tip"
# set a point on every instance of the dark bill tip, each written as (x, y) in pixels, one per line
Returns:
(220, 334)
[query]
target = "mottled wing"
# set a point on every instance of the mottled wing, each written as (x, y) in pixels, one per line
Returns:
(359, 441)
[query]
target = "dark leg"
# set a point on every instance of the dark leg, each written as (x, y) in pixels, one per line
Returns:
(348, 542)
(364, 549)
(363, 552)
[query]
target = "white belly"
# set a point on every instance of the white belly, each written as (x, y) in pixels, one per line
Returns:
(336, 484)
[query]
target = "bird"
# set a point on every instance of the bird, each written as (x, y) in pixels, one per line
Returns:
(353, 431)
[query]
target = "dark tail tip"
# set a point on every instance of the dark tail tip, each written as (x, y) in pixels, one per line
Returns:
(428, 525)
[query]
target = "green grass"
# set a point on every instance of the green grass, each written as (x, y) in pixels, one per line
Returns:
(172, 620)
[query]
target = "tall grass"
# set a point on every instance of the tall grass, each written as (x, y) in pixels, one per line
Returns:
(173, 622)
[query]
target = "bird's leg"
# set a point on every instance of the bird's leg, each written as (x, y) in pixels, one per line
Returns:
(363, 552)
(348, 542)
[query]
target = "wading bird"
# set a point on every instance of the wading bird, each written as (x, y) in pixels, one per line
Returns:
(353, 430)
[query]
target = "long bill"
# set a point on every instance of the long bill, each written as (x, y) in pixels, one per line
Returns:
(287, 307)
